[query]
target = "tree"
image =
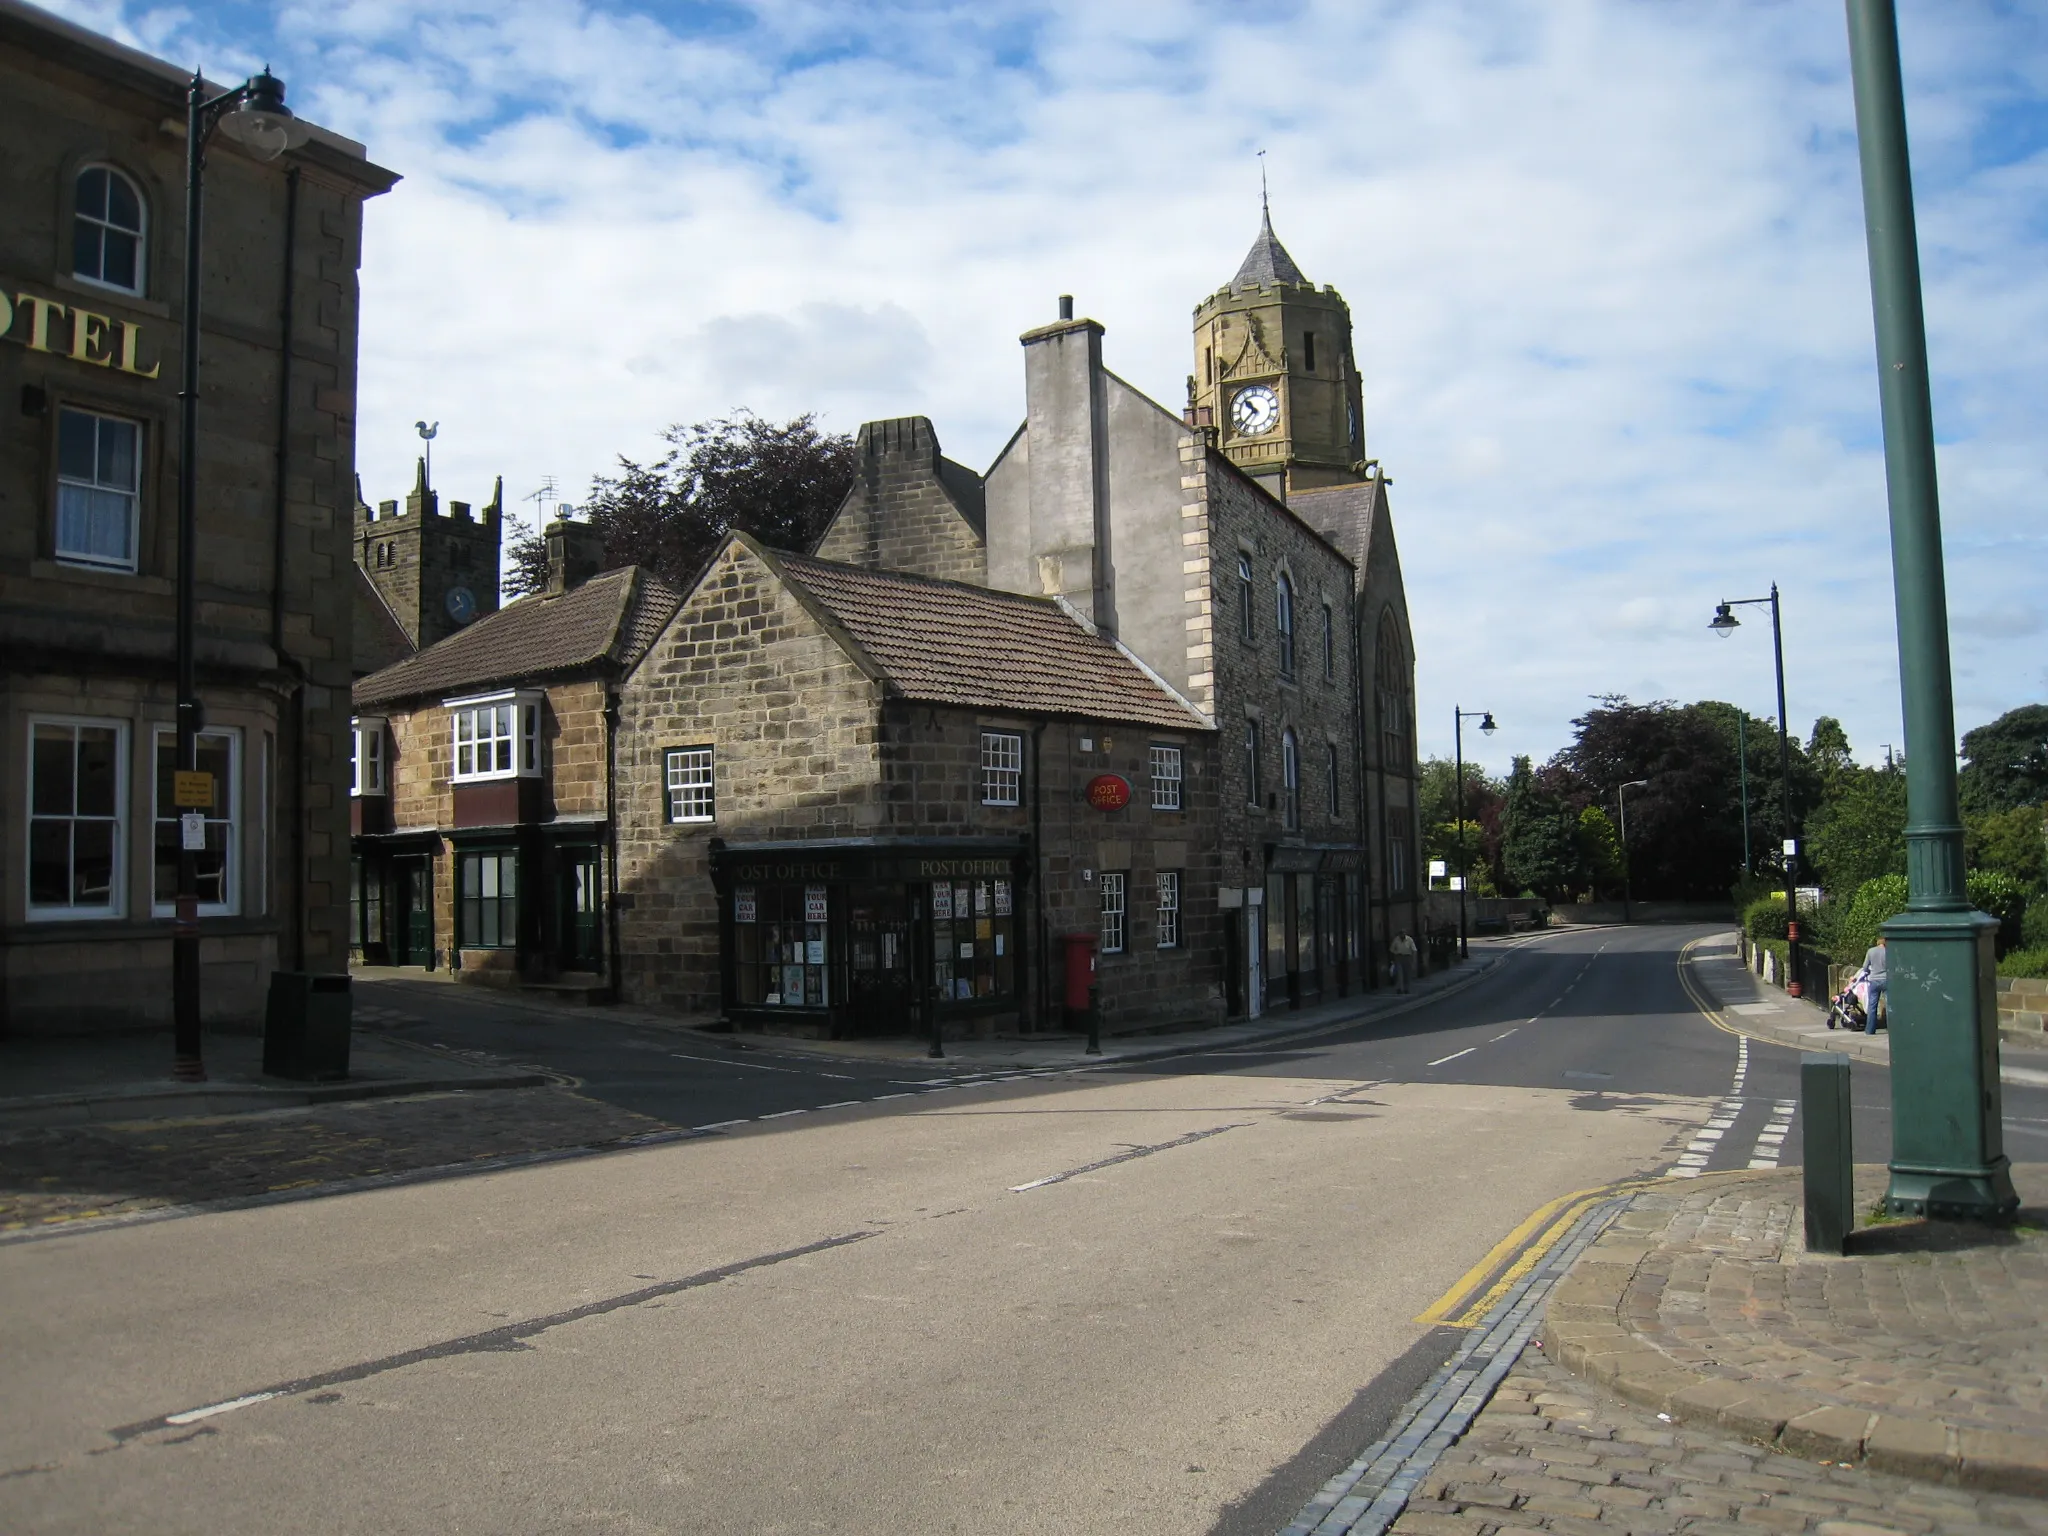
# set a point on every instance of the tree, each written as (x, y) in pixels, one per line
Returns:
(2005, 763)
(1828, 749)
(1600, 848)
(1539, 838)
(1859, 832)
(1437, 808)
(779, 482)
(2008, 843)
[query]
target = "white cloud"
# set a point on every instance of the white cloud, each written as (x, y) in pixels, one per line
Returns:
(1606, 262)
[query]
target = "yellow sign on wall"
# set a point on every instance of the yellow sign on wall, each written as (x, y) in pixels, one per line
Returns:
(90, 338)
(192, 791)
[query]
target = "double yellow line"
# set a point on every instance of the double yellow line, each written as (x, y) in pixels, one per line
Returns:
(1698, 998)
(1482, 1286)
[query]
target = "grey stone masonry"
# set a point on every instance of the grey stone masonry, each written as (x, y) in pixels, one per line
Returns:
(911, 509)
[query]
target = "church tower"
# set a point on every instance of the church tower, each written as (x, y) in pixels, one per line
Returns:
(1274, 373)
(436, 573)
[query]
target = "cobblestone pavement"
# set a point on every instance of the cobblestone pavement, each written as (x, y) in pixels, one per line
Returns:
(1924, 1351)
(1554, 1453)
(69, 1173)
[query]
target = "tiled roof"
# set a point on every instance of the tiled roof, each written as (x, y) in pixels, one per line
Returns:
(1343, 514)
(380, 640)
(611, 618)
(1267, 262)
(944, 642)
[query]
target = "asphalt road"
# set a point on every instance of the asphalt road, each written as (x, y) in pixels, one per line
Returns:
(1159, 1299)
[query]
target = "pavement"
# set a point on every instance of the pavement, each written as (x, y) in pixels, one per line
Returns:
(1923, 1352)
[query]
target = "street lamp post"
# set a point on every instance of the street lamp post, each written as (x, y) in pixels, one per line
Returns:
(1948, 1153)
(1621, 799)
(1724, 623)
(1486, 727)
(254, 115)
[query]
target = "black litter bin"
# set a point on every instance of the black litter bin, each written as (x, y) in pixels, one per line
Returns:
(305, 1026)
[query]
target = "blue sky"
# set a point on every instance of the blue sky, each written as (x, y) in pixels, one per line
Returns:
(1605, 260)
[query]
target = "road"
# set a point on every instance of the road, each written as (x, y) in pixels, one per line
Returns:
(1158, 1299)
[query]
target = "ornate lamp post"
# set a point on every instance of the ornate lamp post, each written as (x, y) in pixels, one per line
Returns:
(1724, 623)
(1621, 800)
(1948, 1153)
(254, 115)
(1486, 727)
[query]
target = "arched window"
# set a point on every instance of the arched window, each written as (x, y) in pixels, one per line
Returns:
(1251, 762)
(1290, 780)
(1283, 622)
(1390, 692)
(1244, 596)
(107, 230)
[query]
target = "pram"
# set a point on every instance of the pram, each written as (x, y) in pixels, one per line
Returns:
(1850, 1009)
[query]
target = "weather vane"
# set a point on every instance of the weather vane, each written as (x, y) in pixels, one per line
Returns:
(1264, 207)
(427, 435)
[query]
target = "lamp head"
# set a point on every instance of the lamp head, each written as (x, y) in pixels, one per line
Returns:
(261, 123)
(1724, 623)
(1637, 784)
(1486, 725)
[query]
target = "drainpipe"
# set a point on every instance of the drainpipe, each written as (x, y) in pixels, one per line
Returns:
(1038, 961)
(1362, 920)
(611, 861)
(295, 799)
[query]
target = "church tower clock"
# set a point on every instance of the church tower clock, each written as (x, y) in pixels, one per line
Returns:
(1274, 373)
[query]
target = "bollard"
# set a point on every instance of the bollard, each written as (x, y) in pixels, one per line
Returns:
(1828, 1148)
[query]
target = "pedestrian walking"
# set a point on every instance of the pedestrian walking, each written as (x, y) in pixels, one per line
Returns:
(1873, 984)
(1403, 951)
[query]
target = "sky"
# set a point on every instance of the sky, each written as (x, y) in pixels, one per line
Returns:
(1605, 262)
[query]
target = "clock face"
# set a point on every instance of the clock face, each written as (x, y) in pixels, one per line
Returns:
(1255, 411)
(461, 604)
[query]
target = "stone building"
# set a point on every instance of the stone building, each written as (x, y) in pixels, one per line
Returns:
(436, 573)
(483, 781)
(850, 797)
(91, 278)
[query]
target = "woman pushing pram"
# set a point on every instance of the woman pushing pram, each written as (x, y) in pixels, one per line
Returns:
(1861, 1001)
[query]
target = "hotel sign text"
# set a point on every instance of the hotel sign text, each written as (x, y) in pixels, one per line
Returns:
(99, 340)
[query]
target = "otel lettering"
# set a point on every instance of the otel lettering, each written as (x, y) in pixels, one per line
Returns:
(93, 336)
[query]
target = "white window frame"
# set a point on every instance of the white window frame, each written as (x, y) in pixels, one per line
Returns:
(1002, 768)
(1166, 778)
(1283, 621)
(1113, 884)
(368, 730)
(140, 233)
(117, 879)
(468, 716)
(689, 785)
(132, 494)
(227, 789)
(1168, 886)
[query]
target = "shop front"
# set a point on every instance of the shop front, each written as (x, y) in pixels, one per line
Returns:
(872, 936)
(1311, 913)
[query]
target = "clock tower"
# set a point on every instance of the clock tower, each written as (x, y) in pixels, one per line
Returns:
(1274, 373)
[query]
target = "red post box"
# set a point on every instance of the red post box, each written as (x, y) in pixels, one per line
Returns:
(1080, 970)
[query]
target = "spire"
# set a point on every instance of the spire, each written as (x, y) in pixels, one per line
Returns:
(419, 482)
(1267, 262)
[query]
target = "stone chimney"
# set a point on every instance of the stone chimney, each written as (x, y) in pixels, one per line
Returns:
(575, 554)
(1067, 417)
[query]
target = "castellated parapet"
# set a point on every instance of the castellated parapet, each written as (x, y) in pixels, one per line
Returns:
(437, 571)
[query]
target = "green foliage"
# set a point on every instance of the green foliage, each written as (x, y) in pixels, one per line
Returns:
(2034, 924)
(2032, 962)
(2006, 762)
(1828, 748)
(1600, 847)
(779, 482)
(2004, 898)
(1750, 889)
(1850, 931)
(1859, 832)
(2008, 842)
(1539, 838)
(1765, 918)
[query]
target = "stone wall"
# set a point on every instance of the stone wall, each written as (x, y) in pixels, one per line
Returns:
(2023, 1009)
(903, 514)
(417, 555)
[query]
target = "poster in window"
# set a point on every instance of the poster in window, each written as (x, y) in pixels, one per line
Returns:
(966, 951)
(793, 983)
(814, 904)
(981, 898)
(743, 908)
(814, 951)
(983, 927)
(942, 901)
(1002, 898)
(999, 946)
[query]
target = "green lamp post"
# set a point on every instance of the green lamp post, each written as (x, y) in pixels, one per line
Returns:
(1948, 1154)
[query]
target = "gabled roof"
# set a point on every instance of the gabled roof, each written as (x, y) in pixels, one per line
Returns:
(380, 640)
(1267, 262)
(1343, 514)
(607, 622)
(945, 642)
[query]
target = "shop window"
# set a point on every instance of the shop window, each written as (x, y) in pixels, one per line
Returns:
(1252, 785)
(1166, 781)
(99, 489)
(1283, 622)
(107, 230)
(1002, 767)
(1290, 780)
(487, 900)
(1244, 597)
(216, 882)
(368, 772)
(691, 785)
(974, 939)
(1112, 884)
(781, 946)
(1169, 908)
(1335, 780)
(75, 817)
(365, 906)
(496, 737)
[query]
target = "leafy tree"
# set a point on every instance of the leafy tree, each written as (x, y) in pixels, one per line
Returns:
(1859, 832)
(2005, 763)
(1539, 837)
(2009, 843)
(1437, 809)
(1600, 848)
(778, 482)
(1828, 750)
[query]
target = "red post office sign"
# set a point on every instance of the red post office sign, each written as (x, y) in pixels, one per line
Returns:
(1109, 792)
